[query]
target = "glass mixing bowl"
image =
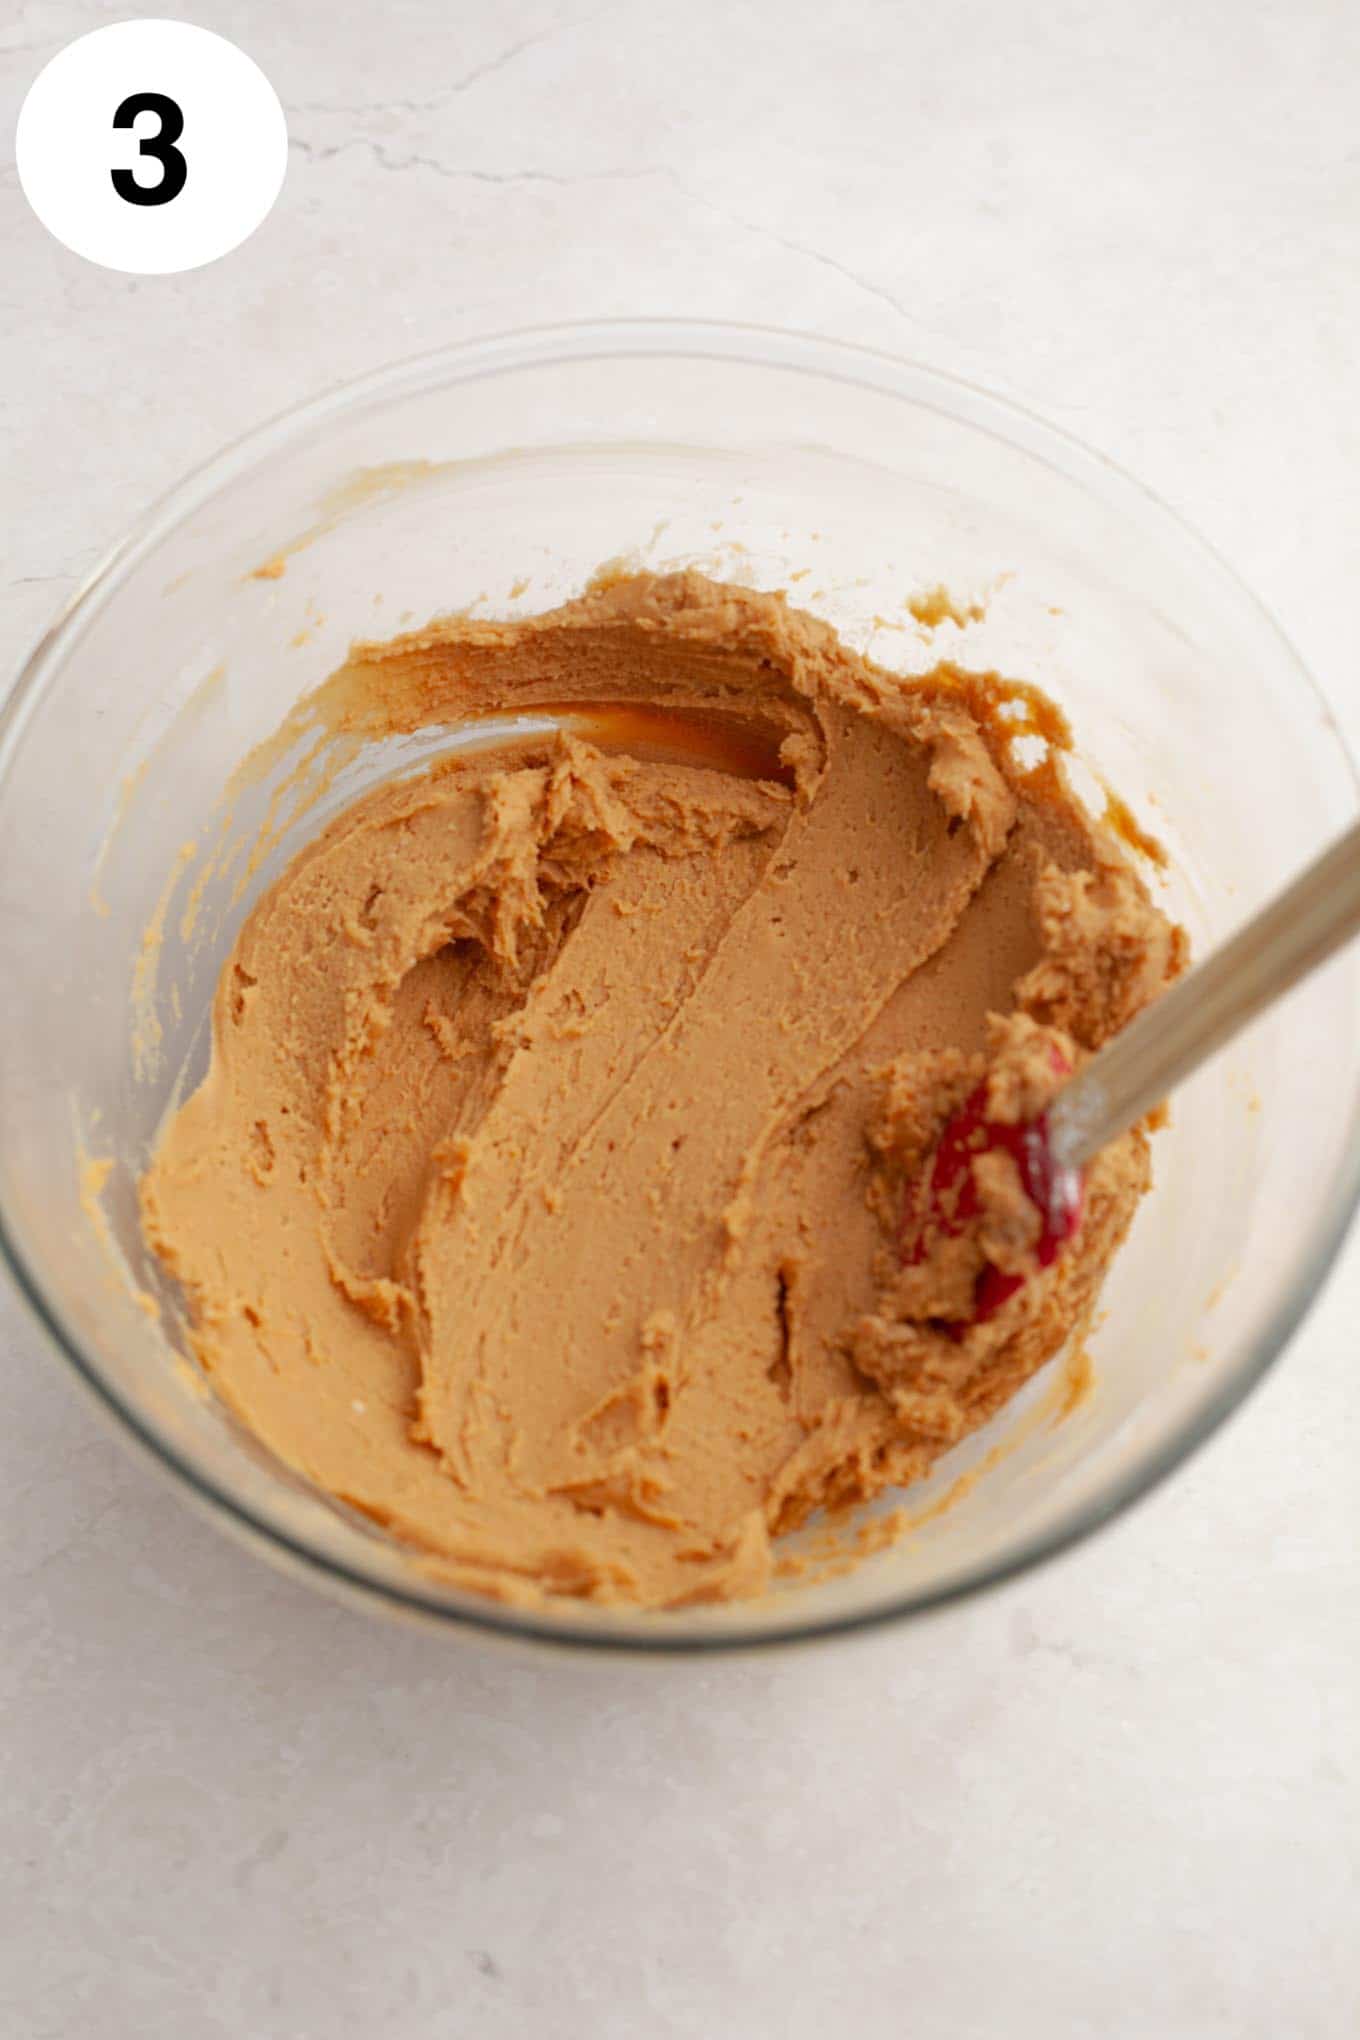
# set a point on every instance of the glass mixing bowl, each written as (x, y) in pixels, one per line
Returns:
(499, 476)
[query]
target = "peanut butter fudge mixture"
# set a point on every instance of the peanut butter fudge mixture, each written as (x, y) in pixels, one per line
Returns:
(545, 1197)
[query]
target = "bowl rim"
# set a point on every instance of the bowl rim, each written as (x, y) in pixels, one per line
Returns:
(821, 357)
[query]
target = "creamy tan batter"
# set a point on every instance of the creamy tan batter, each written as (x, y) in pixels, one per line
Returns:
(544, 1198)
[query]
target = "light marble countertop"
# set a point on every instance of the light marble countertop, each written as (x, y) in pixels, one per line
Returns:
(1120, 1798)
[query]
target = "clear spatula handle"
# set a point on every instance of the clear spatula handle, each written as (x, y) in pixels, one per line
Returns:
(1309, 922)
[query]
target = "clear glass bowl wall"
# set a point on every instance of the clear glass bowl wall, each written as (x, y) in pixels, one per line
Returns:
(500, 476)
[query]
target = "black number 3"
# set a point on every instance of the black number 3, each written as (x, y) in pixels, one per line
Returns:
(161, 145)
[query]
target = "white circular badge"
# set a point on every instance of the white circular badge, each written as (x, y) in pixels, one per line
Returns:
(151, 146)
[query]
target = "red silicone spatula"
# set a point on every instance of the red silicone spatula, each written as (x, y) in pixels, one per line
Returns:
(1309, 921)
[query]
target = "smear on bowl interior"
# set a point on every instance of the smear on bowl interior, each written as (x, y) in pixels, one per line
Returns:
(544, 1197)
